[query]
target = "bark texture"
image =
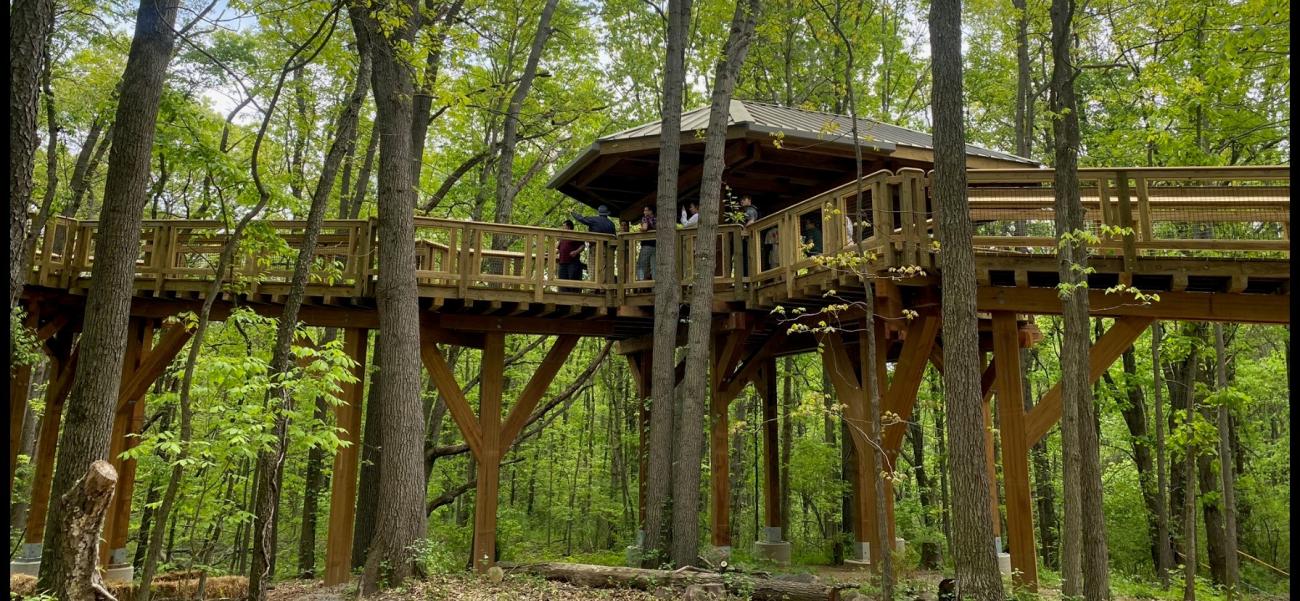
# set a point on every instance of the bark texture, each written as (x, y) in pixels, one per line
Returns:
(667, 289)
(972, 526)
(686, 478)
(30, 24)
(1084, 562)
(81, 514)
(400, 517)
(93, 399)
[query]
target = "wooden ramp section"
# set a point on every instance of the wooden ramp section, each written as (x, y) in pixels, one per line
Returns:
(1213, 243)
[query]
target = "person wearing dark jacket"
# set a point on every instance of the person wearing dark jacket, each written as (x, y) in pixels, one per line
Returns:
(599, 224)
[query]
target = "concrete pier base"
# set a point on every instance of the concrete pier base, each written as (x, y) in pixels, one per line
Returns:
(634, 552)
(772, 548)
(716, 555)
(1004, 563)
(28, 562)
(119, 573)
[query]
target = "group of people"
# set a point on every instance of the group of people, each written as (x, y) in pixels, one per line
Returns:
(569, 252)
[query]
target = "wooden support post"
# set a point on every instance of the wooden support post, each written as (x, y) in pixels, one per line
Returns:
(640, 365)
(488, 437)
(117, 520)
(843, 373)
(1015, 451)
(771, 455)
(489, 455)
(1125, 208)
(343, 483)
(62, 369)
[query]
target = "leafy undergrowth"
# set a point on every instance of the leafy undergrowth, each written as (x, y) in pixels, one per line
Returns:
(458, 587)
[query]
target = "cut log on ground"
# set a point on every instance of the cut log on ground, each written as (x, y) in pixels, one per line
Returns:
(736, 583)
(83, 510)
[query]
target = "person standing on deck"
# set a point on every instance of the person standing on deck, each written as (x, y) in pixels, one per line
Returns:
(812, 236)
(645, 262)
(750, 215)
(568, 255)
(691, 215)
(599, 224)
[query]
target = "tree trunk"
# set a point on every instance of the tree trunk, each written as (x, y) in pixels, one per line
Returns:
(1084, 563)
(280, 399)
(1189, 493)
(663, 387)
(1133, 409)
(1226, 469)
(313, 490)
(686, 478)
(400, 516)
(1044, 492)
(1024, 96)
(972, 533)
(81, 515)
(31, 23)
(930, 555)
(506, 189)
(363, 527)
(788, 403)
(93, 399)
(1164, 554)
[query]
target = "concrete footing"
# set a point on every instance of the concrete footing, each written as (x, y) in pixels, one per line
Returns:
(1004, 563)
(778, 552)
(119, 573)
(716, 555)
(635, 551)
(23, 566)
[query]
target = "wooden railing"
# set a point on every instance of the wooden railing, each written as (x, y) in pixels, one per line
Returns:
(1191, 213)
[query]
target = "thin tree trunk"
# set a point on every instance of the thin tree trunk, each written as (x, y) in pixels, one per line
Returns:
(1226, 469)
(1164, 554)
(930, 556)
(400, 516)
(93, 399)
(1085, 558)
(787, 441)
(978, 578)
(1189, 493)
(314, 488)
(686, 478)
(659, 463)
(505, 189)
(280, 398)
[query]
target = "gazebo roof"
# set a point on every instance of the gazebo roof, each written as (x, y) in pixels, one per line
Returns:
(779, 155)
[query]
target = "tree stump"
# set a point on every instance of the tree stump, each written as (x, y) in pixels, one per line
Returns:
(82, 512)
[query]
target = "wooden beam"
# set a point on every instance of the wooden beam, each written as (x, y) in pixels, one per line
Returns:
(489, 457)
(343, 484)
(139, 339)
(719, 446)
(1015, 451)
(901, 396)
(751, 365)
(1103, 353)
(1186, 306)
(457, 406)
(153, 363)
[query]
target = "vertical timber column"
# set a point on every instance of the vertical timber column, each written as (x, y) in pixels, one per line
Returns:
(343, 483)
(20, 381)
(773, 545)
(1015, 450)
(719, 450)
(63, 367)
(118, 522)
(489, 457)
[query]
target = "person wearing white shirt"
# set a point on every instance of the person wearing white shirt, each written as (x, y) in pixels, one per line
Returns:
(694, 215)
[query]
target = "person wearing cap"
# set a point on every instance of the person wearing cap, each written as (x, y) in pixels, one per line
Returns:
(599, 224)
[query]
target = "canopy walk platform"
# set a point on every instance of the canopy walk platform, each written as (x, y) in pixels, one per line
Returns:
(1212, 243)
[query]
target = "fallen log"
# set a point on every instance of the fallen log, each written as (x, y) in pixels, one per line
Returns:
(736, 583)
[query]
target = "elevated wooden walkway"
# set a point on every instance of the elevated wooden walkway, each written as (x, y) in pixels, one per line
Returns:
(1213, 243)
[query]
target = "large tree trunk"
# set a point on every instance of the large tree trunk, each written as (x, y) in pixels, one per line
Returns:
(972, 528)
(1084, 563)
(1024, 94)
(271, 475)
(93, 399)
(668, 292)
(30, 25)
(400, 516)
(686, 478)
